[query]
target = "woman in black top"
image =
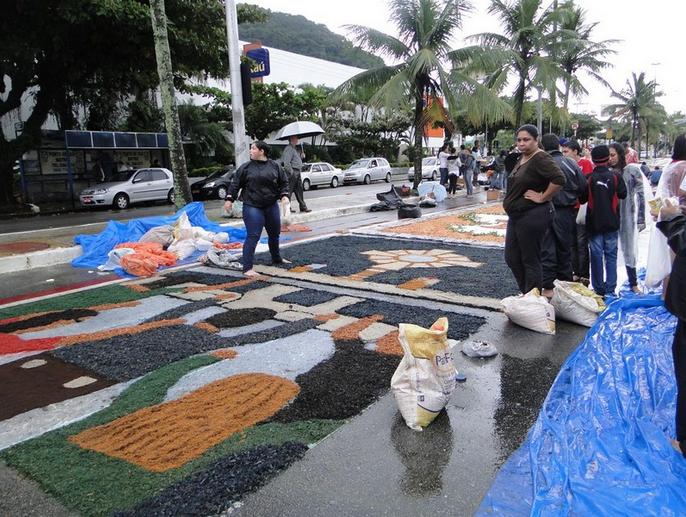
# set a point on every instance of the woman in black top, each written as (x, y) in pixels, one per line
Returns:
(263, 182)
(534, 181)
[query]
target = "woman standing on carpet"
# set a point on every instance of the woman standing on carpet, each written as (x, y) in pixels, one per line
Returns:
(263, 182)
(532, 184)
(631, 210)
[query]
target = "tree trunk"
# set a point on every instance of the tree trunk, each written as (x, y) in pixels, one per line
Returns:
(171, 114)
(565, 104)
(519, 99)
(418, 135)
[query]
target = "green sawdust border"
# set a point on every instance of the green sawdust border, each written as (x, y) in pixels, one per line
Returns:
(96, 484)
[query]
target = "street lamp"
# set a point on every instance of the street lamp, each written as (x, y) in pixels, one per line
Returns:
(654, 65)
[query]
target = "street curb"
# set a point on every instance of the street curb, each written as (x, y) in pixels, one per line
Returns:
(36, 259)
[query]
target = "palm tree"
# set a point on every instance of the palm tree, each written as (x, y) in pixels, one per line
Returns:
(523, 48)
(171, 115)
(637, 101)
(576, 51)
(421, 50)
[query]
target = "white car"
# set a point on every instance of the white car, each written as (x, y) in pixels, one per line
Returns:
(133, 186)
(320, 173)
(367, 170)
(429, 169)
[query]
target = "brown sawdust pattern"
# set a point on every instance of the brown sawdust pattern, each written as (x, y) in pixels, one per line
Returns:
(207, 327)
(227, 285)
(389, 344)
(105, 334)
(414, 284)
(441, 226)
(351, 331)
(225, 353)
(110, 306)
(171, 434)
(326, 317)
(138, 288)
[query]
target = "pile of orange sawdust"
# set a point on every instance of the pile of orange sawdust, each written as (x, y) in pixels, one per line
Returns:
(389, 344)
(445, 226)
(171, 434)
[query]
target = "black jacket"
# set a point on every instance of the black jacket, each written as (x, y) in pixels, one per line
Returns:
(605, 189)
(262, 183)
(675, 297)
(575, 182)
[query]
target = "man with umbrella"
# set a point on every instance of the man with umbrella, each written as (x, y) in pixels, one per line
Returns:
(293, 165)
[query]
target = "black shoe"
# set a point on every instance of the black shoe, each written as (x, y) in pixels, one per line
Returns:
(281, 262)
(306, 211)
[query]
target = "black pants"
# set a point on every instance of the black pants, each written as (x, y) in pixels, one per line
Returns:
(556, 254)
(582, 262)
(452, 183)
(523, 242)
(679, 354)
(632, 276)
(295, 185)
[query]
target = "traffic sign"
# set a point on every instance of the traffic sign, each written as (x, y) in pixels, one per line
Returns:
(260, 62)
(575, 126)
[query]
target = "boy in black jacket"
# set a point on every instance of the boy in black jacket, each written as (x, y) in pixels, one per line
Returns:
(605, 189)
(673, 225)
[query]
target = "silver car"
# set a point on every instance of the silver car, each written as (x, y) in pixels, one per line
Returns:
(127, 187)
(320, 173)
(429, 169)
(367, 170)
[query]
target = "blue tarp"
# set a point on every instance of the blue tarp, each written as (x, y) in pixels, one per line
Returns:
(601, 444)
(96, 247)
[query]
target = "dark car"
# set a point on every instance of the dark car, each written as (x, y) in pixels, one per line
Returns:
(215, 186)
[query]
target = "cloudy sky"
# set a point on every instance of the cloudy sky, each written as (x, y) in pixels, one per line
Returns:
(652, 35)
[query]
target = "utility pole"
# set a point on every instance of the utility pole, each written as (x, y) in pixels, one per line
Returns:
(539, 111)
(240, 143)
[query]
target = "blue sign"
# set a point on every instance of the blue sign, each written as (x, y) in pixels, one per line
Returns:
(259, 66)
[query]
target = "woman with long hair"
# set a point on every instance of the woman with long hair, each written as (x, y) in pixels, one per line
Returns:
(263, 183)
(631, 210)
(532, 184)
(674, 173)
(443, 156)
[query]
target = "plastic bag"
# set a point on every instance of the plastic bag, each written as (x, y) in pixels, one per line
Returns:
(285, 209)
(425, 378)
(114, 259)
(581, 214)
(182, 230)
(183, 248)
(222, 258)
(576, 303)
(160, 234)
(531, 311)
(138, 264)
(236, 210)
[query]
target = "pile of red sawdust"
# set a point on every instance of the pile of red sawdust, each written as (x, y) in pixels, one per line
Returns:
(171, 434)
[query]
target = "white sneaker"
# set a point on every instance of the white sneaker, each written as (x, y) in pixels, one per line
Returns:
(478, 349)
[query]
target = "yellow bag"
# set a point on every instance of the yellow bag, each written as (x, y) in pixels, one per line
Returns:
(425, 378)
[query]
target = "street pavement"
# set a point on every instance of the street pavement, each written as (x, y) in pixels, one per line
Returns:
(375, 465)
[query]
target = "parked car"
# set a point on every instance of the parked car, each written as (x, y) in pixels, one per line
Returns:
(126, 187)
(215, 186)
(429, 169)
(366, 170)
(320, 173)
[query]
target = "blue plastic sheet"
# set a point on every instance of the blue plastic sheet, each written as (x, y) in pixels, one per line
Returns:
(601, 443)
(96, 247)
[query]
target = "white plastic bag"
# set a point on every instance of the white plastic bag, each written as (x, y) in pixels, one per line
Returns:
(659, 263)
(576, 303)
(425, 378)
(531, 311)
(114, 259)
(159, 234)
(581, 214)
(285, 207)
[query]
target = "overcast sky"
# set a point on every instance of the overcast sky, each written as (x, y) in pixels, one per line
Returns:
(652, 35)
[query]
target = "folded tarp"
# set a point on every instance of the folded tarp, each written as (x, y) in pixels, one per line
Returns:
(601, 443)
(96, 247)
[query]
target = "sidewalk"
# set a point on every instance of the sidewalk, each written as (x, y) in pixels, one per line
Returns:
(23, 251)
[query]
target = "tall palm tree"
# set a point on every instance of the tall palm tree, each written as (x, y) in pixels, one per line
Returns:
(523, 48)
(420, 52)
(576, 51)
(638, 100)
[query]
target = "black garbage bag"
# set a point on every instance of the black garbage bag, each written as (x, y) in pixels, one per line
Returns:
(407, 211)
(391, 198)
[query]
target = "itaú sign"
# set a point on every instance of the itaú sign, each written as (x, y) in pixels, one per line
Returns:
(259, 62)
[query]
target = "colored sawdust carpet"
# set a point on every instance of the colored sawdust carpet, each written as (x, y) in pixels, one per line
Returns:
(455, 268)
(202, 385)
(484, 225)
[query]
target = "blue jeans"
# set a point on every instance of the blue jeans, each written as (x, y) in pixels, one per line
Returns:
(468, 181)
(256, 219)
(604, 246)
